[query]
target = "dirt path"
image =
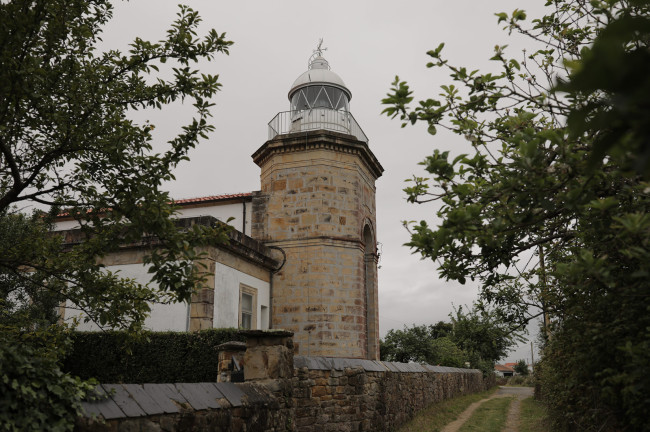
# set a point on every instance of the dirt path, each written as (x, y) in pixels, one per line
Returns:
(513, 413)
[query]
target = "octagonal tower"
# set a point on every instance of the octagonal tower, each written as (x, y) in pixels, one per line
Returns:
(317, 204)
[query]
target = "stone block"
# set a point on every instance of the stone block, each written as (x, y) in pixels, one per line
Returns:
(278, 185)
(268, 362)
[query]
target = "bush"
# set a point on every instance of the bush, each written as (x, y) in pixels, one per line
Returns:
(34, 394)
(159, 357)
(447, 353)
(520, 380)
(521, 367)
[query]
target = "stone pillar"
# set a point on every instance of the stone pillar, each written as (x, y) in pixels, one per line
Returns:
(202, 302)
(231, 360)
(269, 355)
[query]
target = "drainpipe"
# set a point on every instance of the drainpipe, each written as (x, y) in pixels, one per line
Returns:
(243, 225)
(271, 273)
(270, 299)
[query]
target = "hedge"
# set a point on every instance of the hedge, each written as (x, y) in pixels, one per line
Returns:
(158, 357)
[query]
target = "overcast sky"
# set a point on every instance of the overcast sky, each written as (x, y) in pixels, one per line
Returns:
(368, 43)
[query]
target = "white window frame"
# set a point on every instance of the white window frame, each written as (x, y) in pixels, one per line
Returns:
(247, 290)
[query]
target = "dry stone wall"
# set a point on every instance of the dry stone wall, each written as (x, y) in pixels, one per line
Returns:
(322, 394)
(333, 394)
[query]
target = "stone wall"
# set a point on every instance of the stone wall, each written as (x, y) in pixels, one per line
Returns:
(185, 407)
(284, 393)
(333, 394)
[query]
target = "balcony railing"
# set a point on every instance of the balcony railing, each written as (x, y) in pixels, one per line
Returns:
(288, 122)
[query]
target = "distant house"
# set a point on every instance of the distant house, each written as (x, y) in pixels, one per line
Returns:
(504, 370)
(512, 365)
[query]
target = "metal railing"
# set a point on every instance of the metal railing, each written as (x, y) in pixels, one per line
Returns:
(288, 122)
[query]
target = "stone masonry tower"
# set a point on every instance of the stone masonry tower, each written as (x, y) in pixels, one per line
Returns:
(317, 205)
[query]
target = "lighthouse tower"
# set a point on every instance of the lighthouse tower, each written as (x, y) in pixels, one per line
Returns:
(317, 205)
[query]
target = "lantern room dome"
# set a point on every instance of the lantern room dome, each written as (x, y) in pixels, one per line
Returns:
(319, 73)
(318, 100)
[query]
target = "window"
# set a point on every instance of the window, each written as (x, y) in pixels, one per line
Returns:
(247, 307)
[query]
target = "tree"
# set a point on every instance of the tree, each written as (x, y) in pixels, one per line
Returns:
(521, 367)
(34, 394)
(549, 218)
(447, 353)
(484, 336)
(67, 143)
(413, 344)
(476, 337)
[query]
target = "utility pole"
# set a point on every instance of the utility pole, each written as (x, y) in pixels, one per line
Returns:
(532, 356)
(547, 318)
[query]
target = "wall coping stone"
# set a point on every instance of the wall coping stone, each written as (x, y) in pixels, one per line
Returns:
(232, 346)
(140, 400)
(335, 363)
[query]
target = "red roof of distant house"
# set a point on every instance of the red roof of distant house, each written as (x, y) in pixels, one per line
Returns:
(502, 368)
(511, 364)
(213, 198)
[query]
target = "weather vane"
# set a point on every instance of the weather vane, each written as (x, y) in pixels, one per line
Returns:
(319, 49)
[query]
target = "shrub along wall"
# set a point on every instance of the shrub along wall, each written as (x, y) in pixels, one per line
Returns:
(160, 357)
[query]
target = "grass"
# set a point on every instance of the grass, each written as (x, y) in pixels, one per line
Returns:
(533, 416)
(520, 381)
(440, 414)
(491, 416)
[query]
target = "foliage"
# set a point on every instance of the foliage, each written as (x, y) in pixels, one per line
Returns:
(484, 336)
(23, 300)
(533, 417)
(34, 393)
(613, 75)
(521, 367)
(159, 357)
(520, 380)
(476, 337)
(413, 344)
(447, 353)
(67, 142)
(536, 214)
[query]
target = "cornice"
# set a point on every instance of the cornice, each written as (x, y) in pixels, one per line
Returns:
(317, 140)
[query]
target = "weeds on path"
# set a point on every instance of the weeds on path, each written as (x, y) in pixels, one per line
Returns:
(489, 417)
(434, 418)
(533, 416)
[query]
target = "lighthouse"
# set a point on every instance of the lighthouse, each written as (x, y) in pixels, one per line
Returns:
(317, 206)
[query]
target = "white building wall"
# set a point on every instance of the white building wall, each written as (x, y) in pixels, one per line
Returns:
(223, 212)
(163, 317)
(226, 297)
(65, 225)
(175, 317)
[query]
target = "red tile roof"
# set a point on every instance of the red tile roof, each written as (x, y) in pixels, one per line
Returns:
(502, 368)
(213, 198)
